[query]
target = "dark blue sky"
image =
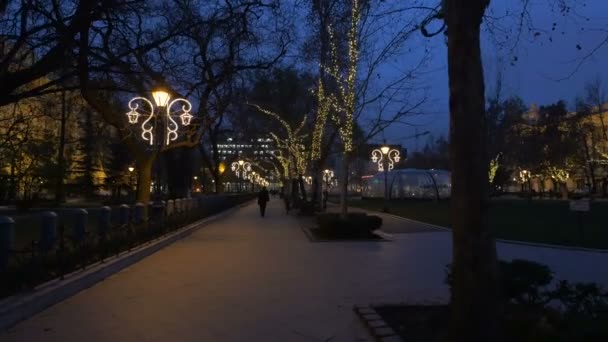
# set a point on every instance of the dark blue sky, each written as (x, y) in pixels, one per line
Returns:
(546, 66)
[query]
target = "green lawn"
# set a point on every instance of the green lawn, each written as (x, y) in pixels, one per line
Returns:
(546, 221)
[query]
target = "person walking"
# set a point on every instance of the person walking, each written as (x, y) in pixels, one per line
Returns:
(263, 198)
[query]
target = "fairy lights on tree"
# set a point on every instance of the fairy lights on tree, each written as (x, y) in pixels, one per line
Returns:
(345, 100)
(324, 102)
(494, 164)
(294, 144)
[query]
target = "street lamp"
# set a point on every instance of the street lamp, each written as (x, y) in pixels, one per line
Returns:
(159, 126)
(385, 157)
(328, 175)
(131, 169)
(253, 178)
(240, 168)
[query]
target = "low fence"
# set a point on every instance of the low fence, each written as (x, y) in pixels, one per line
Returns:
(50, 244)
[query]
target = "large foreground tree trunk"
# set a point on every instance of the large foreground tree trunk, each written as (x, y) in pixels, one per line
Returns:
(475, 292)
(144, 181)
(60, 180)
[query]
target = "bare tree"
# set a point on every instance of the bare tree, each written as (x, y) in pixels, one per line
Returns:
(36, 39)
(199, 47)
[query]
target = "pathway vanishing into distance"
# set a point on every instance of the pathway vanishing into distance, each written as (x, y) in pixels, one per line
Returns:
(247, 278)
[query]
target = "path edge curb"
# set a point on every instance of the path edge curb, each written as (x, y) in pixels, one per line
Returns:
(379, 329)
(512, 242)
(20, 307)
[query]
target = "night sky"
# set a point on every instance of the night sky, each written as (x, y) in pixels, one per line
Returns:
(546, 63)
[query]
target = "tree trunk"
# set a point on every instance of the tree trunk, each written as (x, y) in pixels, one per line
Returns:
(344, 186)
(144, 181)
(475, 289)
(59, 185)
(302, 188)
(317, 185)
(89, 133)
(564, 188)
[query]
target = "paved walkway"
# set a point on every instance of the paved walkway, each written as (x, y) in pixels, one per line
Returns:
(247, 278)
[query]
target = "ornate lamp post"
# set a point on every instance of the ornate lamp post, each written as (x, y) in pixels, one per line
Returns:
(386, 158)
(240, 168)
(159, 126)
(308, 180)
(253, 178)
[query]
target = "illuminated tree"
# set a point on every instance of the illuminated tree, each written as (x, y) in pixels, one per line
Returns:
(341, 105)
(494, 165)
(293, 145)
(560, 176)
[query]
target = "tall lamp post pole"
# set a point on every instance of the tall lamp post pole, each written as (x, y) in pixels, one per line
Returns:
(386, 158)
(328, 176)
(241, 169)
(159, 127)
(131, 190)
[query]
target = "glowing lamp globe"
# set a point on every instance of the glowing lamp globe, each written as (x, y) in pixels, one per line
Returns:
(186, 118)
(161, 98)
(385, 149)
(132, 116)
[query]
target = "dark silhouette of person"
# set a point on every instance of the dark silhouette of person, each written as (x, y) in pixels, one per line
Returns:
(325, 195)
(263, 198)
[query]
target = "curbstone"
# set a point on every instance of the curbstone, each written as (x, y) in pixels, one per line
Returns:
(376, 325)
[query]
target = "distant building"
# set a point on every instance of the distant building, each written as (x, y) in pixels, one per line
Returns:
(595, 120)
(260, 148)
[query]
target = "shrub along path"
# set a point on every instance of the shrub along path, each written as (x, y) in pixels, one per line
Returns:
(247, 278)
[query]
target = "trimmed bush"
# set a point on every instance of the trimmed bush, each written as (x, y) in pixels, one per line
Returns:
(356, 225)
(308, 209)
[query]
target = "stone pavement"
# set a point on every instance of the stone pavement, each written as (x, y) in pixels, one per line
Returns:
(247, 278)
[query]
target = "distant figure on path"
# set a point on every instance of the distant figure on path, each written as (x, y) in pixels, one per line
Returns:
(325, 195)
(263, 198)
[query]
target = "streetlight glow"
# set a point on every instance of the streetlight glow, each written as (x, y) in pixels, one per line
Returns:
(386, 158)
(241, 168)
(385, 155)
(161, 98)
(131, 169)
(328, 175)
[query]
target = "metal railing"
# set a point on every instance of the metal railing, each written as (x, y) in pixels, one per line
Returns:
(48, 245)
